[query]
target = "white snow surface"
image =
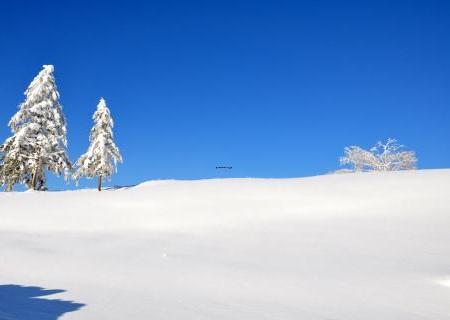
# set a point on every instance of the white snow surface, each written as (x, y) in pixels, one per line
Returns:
(335, 247)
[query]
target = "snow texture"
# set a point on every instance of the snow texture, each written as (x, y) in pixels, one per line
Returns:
(365, 246)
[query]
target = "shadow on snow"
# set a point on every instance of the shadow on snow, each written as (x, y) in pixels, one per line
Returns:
(24, 303)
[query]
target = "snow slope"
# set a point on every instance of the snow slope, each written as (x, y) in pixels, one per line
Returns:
(336, 247)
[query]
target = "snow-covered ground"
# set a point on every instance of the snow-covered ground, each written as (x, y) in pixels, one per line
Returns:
(335, 247)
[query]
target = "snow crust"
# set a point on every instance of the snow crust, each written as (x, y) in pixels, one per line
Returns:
(351, 246)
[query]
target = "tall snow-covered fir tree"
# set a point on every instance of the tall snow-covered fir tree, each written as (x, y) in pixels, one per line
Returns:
(102, 156)
(39, 139)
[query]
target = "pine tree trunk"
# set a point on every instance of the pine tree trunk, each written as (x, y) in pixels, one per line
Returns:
(38, 167)
(99, 187)
(33, 179)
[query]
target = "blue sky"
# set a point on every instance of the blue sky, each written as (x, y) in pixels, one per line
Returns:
(272, 88)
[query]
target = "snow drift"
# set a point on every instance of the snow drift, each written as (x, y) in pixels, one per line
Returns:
(354, 246)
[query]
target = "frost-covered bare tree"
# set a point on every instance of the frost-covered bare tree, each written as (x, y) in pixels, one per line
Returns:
(102, 156)
(391, 156)
(39, 139)
(384, 156)
(357, 158)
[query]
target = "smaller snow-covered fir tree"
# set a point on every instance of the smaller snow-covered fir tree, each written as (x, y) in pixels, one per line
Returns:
(102, 156)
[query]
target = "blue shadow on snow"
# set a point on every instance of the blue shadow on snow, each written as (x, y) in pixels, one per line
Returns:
(23, 303)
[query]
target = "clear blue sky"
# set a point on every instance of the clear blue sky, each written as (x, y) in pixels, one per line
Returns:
(272, 88)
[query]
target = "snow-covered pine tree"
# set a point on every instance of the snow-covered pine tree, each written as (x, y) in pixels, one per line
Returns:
(102, 156)
(39, 131)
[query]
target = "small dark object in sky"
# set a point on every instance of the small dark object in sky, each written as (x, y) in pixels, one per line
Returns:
(222, 167)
